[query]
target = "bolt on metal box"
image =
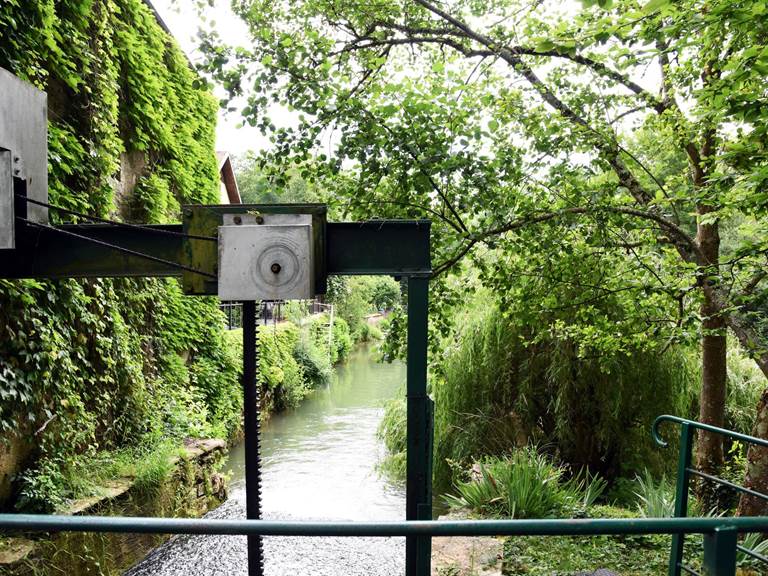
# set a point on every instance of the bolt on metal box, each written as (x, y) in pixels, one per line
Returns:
(266, 257)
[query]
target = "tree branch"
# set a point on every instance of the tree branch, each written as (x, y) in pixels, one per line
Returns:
(670, 227)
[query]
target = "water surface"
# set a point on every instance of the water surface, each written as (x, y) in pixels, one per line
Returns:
(319, 463)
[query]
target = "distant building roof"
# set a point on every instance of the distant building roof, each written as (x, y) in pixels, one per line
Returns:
(159, 18)
(227, 174)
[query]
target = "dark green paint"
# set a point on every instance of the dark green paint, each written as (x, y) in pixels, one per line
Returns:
(391, 248)
(681, 496)
(720, 552)
(720, 544)
(431, 528)
(418, 491)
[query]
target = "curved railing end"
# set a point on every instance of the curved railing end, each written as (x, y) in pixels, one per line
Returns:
(655, 428)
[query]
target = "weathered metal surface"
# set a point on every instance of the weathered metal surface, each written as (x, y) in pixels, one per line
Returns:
(720, 552)
(7, 216)
(24, 131)
(205, 221)
(45, 254)
(252, 433)
(266, 262)
(399, 248)
(42, 253)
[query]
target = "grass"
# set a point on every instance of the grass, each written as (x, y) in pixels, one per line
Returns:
(563, 555)
(637, 555)
(392, 431)
(148, 466)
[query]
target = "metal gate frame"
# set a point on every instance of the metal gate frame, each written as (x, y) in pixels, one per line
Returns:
(399, 248)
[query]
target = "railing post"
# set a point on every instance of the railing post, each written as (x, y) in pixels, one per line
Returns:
(720, 552)
(681, 496)
(418, 490)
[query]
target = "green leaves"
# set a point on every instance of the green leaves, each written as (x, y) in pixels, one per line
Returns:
(654, 5)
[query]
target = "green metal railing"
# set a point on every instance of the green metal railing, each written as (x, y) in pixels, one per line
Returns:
(721, 546)
(720, 534)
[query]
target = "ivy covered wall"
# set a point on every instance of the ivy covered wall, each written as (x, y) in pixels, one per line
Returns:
(103, 365)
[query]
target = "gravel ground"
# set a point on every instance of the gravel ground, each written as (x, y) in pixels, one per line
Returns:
(226, 555)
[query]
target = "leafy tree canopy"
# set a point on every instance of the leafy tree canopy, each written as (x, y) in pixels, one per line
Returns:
(592, 149)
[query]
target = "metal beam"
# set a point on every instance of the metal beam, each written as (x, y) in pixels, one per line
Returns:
(46, 253)
(394, 247)
(397, 248)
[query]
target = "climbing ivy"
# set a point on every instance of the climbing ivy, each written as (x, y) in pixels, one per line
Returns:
(94, 365)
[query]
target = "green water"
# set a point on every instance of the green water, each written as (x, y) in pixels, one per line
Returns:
(319, 461)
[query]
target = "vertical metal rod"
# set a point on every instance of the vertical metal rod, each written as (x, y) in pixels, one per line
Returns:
(681, 496)
(252, 431)
(720, 552)
(418, 491)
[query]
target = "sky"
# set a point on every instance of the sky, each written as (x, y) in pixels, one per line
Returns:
(182, 19)
(183, 23)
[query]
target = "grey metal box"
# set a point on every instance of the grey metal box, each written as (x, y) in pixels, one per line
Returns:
(266, 262)
(24, 131)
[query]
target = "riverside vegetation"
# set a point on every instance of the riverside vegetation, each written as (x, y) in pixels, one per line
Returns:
(109, 377)
(537, 431)
(102, 374)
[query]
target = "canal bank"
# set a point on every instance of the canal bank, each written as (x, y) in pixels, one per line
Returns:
(190, 487)
(319, 463)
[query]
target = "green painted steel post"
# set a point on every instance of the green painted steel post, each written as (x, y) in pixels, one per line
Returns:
(418, 491)
(681, 496)
(720, 552)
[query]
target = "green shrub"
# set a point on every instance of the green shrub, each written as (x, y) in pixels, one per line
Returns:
(314, 361)
(385, 293)
(756, 543)
(370, 332)
(655, 498)
(392, 431)
(279, 373)
(493, 392)
(525, 484)
(745, 385)
(342, 340)
(356, 297)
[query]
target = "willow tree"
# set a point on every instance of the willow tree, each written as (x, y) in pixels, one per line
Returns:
(643, 126)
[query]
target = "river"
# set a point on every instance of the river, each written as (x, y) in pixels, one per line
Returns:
(319, 463)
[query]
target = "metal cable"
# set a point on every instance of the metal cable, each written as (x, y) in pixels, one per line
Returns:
(116, 223)
(117, 248)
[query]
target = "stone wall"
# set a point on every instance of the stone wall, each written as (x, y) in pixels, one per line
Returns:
(193, 488)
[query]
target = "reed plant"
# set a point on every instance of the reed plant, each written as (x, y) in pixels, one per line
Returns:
(525, 484)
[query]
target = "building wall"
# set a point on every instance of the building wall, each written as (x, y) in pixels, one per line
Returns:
(99, 365)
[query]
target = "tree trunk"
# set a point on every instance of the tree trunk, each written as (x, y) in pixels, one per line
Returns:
(709, 452)
(756, 477)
